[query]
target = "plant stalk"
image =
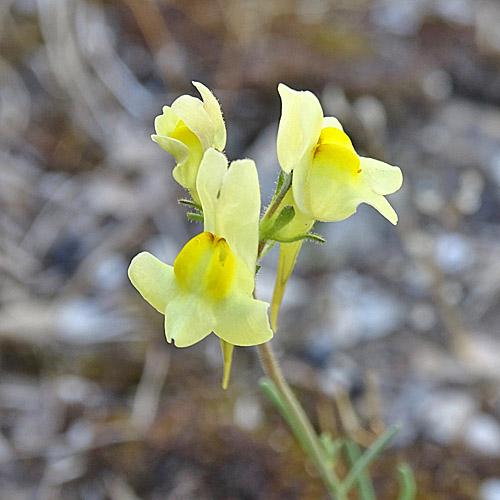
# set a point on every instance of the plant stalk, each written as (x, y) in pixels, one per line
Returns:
(296, 412)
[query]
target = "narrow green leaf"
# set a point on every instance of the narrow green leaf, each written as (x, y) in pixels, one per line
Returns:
(364, 482)
(190, 203)
(367, 458)
(315, 237)
(284, 218)
(274, 396)
(195, 217)
(407, 481)
(279, 184)
(284, 184)
(308, 236)
(328, 475)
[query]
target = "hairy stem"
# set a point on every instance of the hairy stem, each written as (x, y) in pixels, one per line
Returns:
(271, 209)
(296, 412)
(279, 197)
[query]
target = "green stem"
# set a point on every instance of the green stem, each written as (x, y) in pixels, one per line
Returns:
(301, 421)
(285, 399)
(367, 458)
(271, 209)
(274, 396)
(365, 485)
(287, 183)
(408, 485)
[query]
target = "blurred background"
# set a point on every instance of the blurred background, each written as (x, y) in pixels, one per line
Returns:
(379, 325)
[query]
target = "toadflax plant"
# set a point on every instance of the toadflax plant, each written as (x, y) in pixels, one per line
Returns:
(210, 287)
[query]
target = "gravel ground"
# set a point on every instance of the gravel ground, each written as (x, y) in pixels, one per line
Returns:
(379, 325)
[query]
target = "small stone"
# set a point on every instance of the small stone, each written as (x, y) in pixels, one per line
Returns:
(468, 198)
(490, 489)
(363, 310)
(72, 389)
(451, 292)
(437, 365)
(456, 11)
(371, 113)
(483, 435)
(437, 84)
(66, 469)
(30, 435)
(403, 17)
(80, 435)
(429, 201)
(20, 394)
(339, 378)
(84, 321)
(423, 317)
(454, 253)
(445, 414)
(434, 138)
(111, 272)
(247, 413)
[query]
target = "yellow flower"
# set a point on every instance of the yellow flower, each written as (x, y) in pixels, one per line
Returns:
(330, 179)
(209, 288)
(186, 130)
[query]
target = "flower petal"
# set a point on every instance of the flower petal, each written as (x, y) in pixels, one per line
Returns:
(153, 279)
(231, 203)
(331, 121)
(244, 277)
(213, 109)
(192, 112)
(327, 189)
(208, 184)
(206, 266)
(378, 202)
(382, 177)
(299, 127)
(166, 122)
(188, 319)
(176, 148)
(242, 321)
(300, 176)
(238, 210)
(187, 153)
(335, 136)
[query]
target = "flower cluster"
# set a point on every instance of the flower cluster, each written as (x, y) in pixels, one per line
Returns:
(211, 284)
